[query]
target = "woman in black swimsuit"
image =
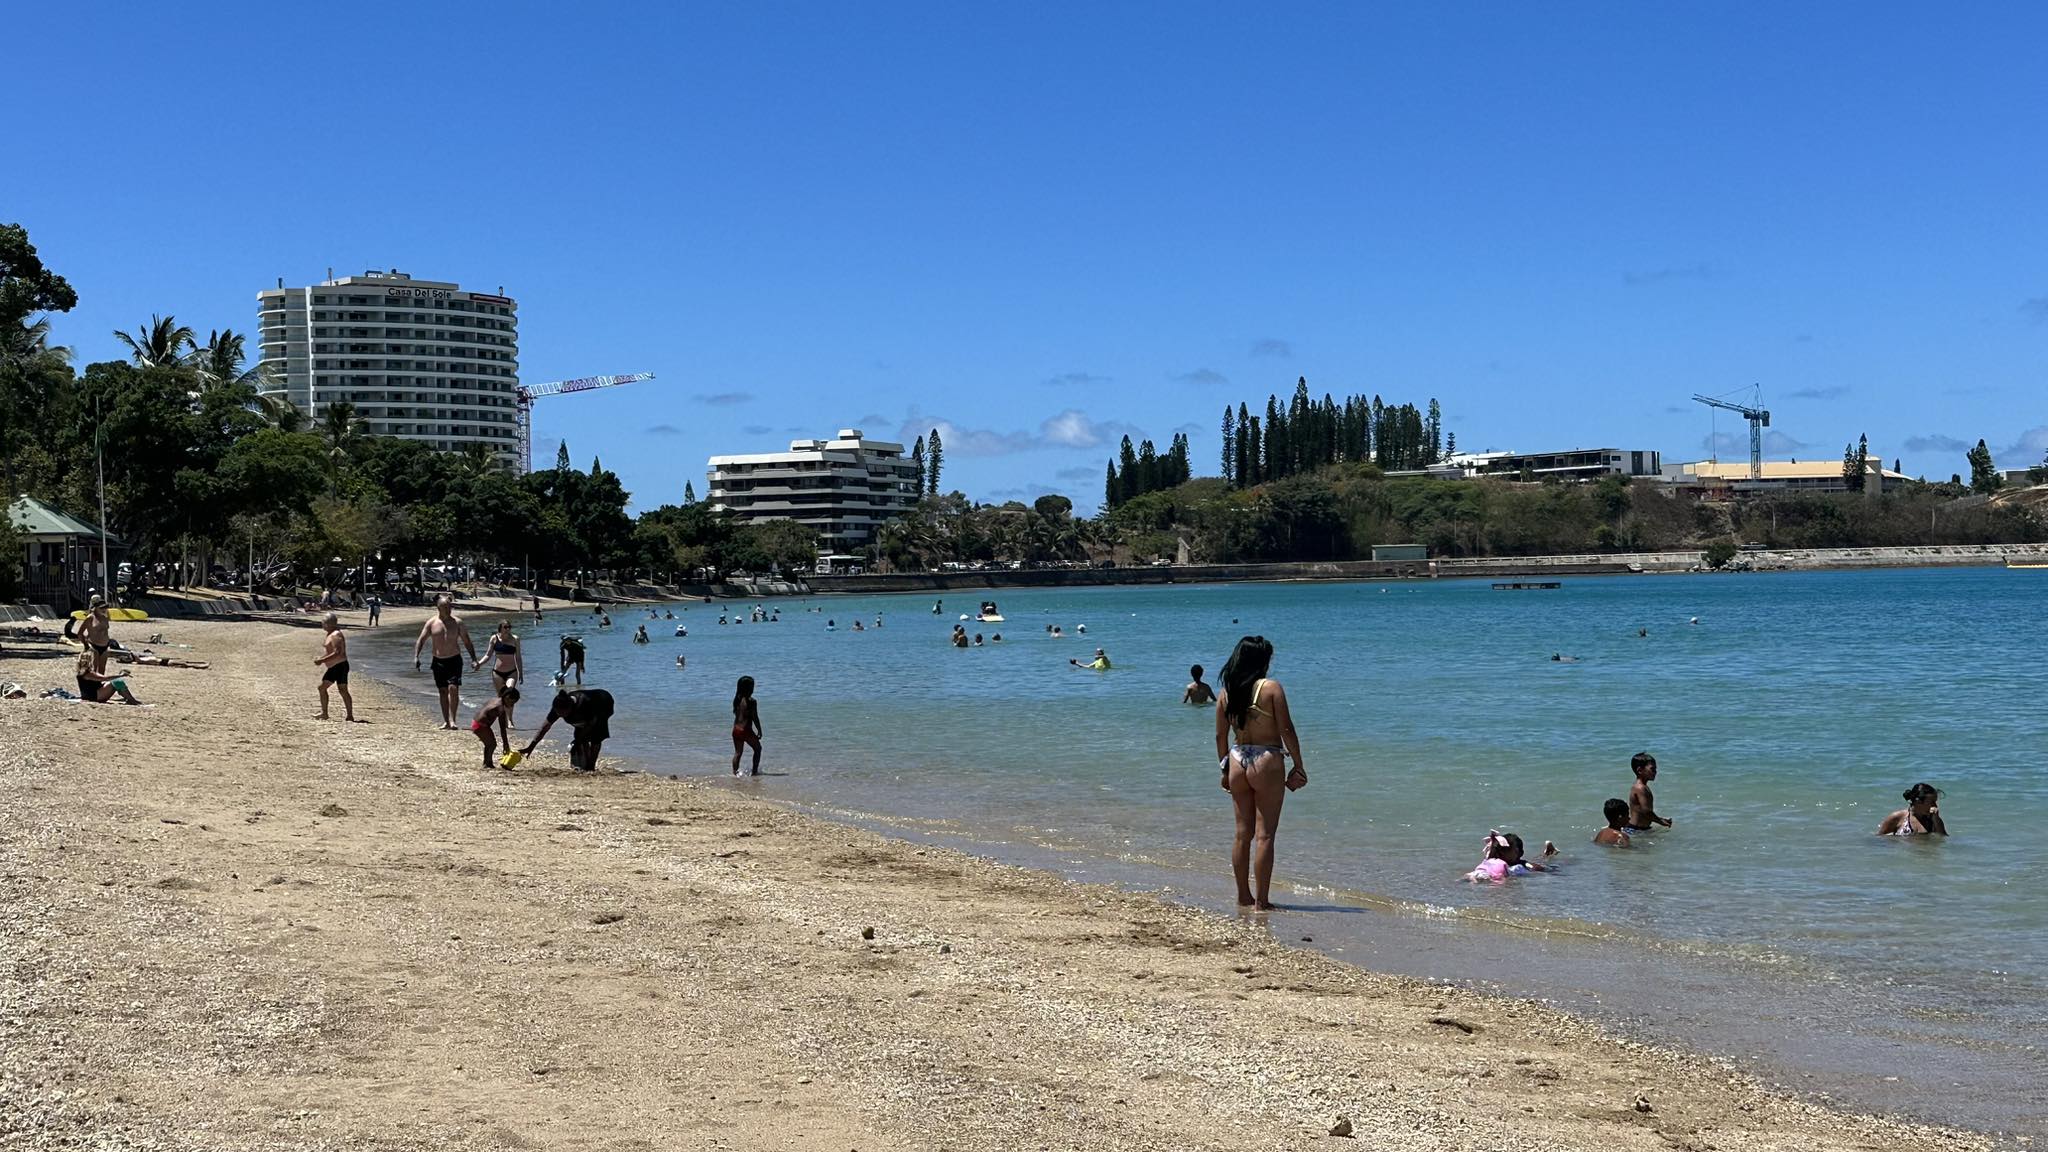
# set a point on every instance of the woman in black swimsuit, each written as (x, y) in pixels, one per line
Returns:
(508, 663)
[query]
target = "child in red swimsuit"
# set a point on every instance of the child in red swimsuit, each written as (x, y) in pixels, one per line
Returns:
(496, 710)
(746, 725)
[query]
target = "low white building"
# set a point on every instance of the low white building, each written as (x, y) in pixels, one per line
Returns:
(843, 488)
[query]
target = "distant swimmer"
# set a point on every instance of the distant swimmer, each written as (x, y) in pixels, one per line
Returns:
(1081, 629)
(1642, 807)
(669, 615)
(640, 634)
(1920, 817)
(604, 621)
(1561, 658)
(977, 639)
(1197, 692)
(1616, 832)
(1694, 620)
(1642, 632)
(996, 639)
(938, 606)
(682, 631)
(1099, 664)
(1502, 857)
(959, 636)
(680, 662)
(831, 625)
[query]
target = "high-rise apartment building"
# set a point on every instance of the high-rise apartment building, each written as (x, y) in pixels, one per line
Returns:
(420, 359)
(843, 488)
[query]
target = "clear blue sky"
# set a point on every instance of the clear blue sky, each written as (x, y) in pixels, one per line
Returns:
(1042, 226)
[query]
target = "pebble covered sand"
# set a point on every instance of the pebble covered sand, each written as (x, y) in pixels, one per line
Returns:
(226, 925)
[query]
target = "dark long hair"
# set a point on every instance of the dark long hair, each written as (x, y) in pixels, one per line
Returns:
(1247, 666)
(745, 690)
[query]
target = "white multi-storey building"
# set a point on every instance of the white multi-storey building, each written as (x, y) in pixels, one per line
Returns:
(843, 488)
(420, 359)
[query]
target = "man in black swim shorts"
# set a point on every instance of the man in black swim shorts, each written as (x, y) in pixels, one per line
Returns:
(334, 655)
(450, 636)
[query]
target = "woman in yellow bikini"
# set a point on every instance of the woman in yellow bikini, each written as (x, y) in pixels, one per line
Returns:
(1253, 709)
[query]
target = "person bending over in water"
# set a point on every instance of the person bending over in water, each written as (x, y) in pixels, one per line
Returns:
(1616, 832)
(1502, 857)
(1920, 817)
(589, 713)
(496, 710)
(746, 724)
(572, 653)
(1642, 807)
(1254, 710)
(1197, 693)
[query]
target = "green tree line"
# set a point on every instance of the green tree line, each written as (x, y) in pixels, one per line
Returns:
(204, 457)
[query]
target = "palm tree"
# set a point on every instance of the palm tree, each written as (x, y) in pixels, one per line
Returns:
(477, 459)
(219, 363)
(23, 343)
(338, 422)
(162, 344)
(279, 412)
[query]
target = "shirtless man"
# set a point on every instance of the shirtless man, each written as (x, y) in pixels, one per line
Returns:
(1642, 807)
(450, 636)
(334, 657)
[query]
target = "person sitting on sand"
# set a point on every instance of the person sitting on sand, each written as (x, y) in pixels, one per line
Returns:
(1502, 857)
(98, 687)
(1254, 710)
(572, 653)
(746, 724)
(589, 713)
(1616, 832)
(1920, 817)
(1197, 692)
(334, 656)
(497, 710)
(1099, 664)
(1642, 807)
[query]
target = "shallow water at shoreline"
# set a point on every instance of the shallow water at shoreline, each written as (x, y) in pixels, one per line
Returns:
(1769, 921)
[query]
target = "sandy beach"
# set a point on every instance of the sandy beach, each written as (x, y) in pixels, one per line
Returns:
(226, 925)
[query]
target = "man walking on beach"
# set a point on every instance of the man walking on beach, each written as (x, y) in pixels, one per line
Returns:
(450, 636)
(334, 656)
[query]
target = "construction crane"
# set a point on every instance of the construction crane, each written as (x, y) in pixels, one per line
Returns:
(1758, 418)
(556, 388)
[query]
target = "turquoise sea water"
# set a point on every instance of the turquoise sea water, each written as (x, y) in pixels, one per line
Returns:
(1769, 923)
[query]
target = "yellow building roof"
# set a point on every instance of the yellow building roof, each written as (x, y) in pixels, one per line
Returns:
(1822, 469)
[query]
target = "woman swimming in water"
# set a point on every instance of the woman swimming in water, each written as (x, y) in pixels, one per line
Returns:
(1920, 817)
(1253, 710)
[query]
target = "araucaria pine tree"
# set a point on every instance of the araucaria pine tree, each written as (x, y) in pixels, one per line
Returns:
(935, 457)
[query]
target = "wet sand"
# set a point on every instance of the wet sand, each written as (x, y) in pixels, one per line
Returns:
(226, 925)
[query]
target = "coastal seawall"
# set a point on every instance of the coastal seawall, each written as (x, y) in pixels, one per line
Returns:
(1495, 567)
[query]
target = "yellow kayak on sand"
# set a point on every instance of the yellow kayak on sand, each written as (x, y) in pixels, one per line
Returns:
(130, 614)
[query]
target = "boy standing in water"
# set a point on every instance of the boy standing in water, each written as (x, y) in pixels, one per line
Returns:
(1642, 807)
(1197, 693)
(1616, 832)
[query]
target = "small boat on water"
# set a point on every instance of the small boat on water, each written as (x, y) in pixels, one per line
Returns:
(2011, 563)
(988, 614)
